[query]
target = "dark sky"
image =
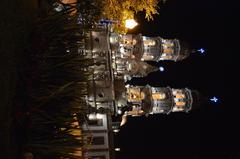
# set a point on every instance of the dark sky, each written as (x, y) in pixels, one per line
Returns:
(212, 131)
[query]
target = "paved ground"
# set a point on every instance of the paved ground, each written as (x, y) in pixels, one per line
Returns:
(17, 17)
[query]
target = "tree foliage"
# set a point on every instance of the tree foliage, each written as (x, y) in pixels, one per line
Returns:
(116, 10)
(120, 10)
(56, 84)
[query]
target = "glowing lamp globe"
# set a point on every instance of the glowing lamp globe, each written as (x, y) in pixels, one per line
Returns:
(117, 149)
(161, 69)
(130, 23)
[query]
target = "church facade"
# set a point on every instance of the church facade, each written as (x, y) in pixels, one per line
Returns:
(117, 58)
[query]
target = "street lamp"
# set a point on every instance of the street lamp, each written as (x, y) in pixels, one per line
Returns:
(130, 23)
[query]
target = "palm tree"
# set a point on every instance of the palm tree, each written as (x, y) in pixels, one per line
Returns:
(57, 98)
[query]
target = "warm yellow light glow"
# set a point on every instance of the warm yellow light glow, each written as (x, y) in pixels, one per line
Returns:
(130, 23)
(117, 149)
(180, 95)
(180, 104)
(135, 95)
(149, 42)
(158, 96)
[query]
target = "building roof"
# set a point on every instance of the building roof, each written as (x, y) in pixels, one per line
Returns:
(197, 99)
(185, 50)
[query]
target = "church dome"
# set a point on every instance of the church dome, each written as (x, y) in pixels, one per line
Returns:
(184, 50)
(197, 99)
(140, 69)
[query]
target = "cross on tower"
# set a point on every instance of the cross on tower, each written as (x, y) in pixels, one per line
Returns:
(201, 50)
(214, 99)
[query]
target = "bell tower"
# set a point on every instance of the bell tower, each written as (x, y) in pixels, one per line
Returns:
(155, 100)
(129, 53)
(144, 48)
(157, 49)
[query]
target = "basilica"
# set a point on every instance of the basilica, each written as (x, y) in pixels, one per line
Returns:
(117, 59)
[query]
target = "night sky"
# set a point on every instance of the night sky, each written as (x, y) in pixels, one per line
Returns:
(211, 131)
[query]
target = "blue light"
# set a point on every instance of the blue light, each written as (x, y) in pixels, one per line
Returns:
(161, 69)
(201, 50)
(214, 99)
(105, 21)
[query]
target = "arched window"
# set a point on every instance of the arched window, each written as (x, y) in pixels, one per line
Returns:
(168, 51)
(180, 95)
(159, 96)
(149, 42)
(180, 104)
(97, 40)
(134, 42)
(135, 95)
(100, 94)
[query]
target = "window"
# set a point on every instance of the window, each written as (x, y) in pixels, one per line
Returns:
(168, 51)
(101, 53)
(158, 96)
(175, 91)
(167, 57)
(97, 155)
(135, 95)
(100, 76)
(180, 103)
(100, 95)
(95, 122)
(168, 44)
(149, 42)
(98, 140)
(177, 109)
(147, 56)
(81, 51)
(127, 41)
(134, 42)
(180, 95)
(157, 109)
(97, 40)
